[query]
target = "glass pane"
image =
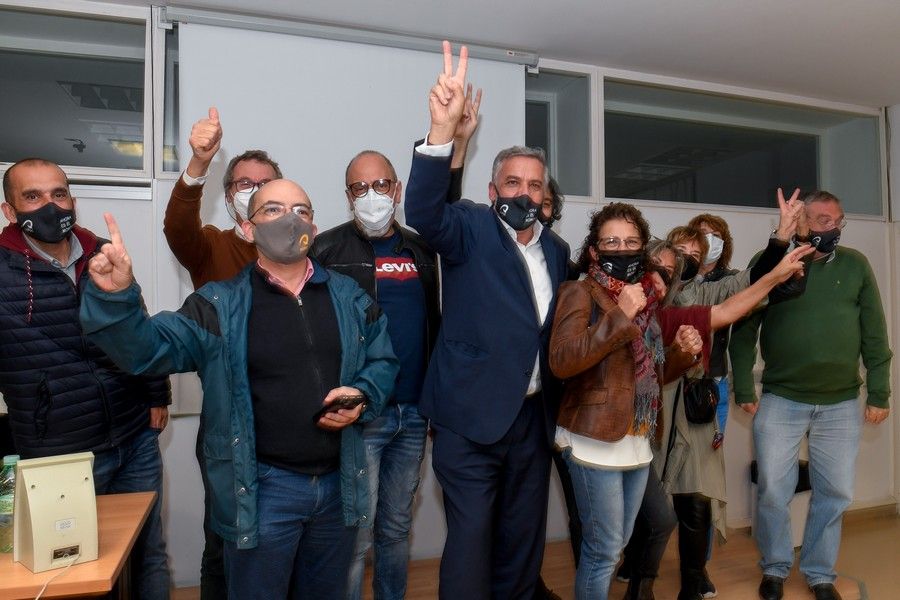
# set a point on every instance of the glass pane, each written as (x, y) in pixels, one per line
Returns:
(682, 146)
(72, 90)
(558, 119)
(170, 110)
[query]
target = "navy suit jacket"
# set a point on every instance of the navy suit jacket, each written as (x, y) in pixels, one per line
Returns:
(484, 356)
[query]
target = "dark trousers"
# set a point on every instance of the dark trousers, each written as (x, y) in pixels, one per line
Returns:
(495, 502)
(565, 481)
(655, 523)
(212, 563)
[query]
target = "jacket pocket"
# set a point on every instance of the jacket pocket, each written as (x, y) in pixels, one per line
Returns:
(219, 475)
(42, 407)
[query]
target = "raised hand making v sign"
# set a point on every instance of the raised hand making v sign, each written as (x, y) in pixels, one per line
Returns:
(447, 100)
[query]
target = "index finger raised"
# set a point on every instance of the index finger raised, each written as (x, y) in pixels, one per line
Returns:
(115, 236)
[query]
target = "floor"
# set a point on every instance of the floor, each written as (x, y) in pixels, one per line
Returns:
(868, 565)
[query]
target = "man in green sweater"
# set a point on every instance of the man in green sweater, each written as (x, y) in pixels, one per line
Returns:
(811, 346)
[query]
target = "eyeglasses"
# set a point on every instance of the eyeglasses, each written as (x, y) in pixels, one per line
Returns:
(248, 185)
(824, 223)
(614, 243)
(275, 210)
(361, 188)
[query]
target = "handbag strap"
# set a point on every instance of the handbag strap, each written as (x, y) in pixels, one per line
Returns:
(671, 443)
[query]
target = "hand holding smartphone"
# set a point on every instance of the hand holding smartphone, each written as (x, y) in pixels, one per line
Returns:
(348, 401)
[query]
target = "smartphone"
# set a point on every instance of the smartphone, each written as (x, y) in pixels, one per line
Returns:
(348, 401)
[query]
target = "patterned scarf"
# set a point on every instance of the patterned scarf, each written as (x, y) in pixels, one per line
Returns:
(648, 351)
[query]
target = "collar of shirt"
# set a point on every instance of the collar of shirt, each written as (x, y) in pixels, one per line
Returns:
(536, 227)
(75, 252)
(279, 283)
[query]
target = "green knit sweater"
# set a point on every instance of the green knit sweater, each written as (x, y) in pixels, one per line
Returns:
(811, 344)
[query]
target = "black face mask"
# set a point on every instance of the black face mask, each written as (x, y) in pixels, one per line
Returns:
(520, 212)
(664, 275)
(825, 241)
(624, 265)
(545, 221)
(49, 223)
(691, 268)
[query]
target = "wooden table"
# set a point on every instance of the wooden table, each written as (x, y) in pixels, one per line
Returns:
(119, 519)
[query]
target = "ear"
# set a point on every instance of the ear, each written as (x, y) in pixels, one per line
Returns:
(492, 192)
(398, 192)
(247, 227)
(593, 252)
(9, 212)
(350, 199)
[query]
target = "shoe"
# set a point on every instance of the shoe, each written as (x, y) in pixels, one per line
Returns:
(640, 589)
(825, 591)
(542, 592)
(624, 573)
(707, 588)
(771, 588)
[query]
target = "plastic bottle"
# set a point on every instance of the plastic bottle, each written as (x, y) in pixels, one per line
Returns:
(7, 497)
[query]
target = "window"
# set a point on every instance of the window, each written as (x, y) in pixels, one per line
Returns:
(73, 90)
(170, 157)
(685, 146)
(558, 119)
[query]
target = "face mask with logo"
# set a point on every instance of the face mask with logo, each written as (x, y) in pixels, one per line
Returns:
(50, 223)
(520, 212)
(623, 265)
(716, 245)
(286, 240)
(825, 241)
(374, 213)
(691, 268)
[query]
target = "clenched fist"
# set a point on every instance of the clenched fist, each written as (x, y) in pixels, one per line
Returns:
(632, 300)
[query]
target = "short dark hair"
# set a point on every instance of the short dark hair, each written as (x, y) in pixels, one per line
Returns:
(369, 153)
(684, 233)
(260, 156)
(610, 212)
(720, 225)
(7, 181)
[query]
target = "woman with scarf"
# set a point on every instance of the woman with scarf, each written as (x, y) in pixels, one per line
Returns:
(614, 348)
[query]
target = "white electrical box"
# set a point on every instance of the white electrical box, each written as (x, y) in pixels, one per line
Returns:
(55, 518)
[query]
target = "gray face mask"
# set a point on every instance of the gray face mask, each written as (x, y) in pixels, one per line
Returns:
(286, 240)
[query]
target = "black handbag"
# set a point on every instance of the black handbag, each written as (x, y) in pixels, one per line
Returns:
(701, 396)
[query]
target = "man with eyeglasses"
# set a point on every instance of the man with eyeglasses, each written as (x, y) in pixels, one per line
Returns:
(275, 346)
(211, 254)
(811, 346)
(488, 390)
(64, 394)
(397, 268)
(207, 252)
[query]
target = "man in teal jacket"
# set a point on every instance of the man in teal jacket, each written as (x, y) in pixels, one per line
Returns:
(811, 346)
(272, 346)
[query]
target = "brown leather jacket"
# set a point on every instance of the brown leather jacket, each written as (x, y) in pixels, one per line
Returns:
(593, 358)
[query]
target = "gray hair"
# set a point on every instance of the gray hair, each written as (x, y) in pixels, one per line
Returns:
(514, 151)
(820, 196)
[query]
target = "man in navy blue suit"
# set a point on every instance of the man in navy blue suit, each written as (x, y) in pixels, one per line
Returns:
(488, 378)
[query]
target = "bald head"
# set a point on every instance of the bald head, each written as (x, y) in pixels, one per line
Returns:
(282, 191)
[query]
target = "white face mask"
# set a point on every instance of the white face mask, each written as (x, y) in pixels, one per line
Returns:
(716, 245)
(238, 208)
(375, 213)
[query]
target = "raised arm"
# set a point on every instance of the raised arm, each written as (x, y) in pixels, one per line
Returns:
(744, 301)
(182, 225)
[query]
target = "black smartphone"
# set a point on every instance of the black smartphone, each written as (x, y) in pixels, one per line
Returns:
(349, 401)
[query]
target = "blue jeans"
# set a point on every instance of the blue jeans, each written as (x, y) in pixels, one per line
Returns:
(136, 466)
(778, 428)
(395, 445)
(608, 502)
(304, 549)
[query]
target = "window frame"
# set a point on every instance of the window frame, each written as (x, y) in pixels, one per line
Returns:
(112, 12)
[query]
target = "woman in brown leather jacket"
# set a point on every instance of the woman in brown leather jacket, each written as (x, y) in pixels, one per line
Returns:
(614, 348)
